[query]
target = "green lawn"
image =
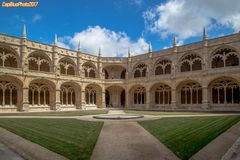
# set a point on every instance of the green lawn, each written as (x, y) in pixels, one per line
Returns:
(186, 136)
(163, 113)
(56, 113)
(71, 138)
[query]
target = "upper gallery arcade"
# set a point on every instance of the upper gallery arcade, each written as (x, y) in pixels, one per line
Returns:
(200, 76)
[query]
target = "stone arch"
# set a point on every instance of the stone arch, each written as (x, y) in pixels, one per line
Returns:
(67, 66)
(116, 96)
(89, 69)
(189, 93)
(190, 62)
(225, 56)
(160, 94)
(137, 96)
(70, 95)
(115, 72)
(9, 57)
(10, 92)
(41, 94)
(93, 95)
(162, 66)
(224, 91)
(39, 61)
(140, 70)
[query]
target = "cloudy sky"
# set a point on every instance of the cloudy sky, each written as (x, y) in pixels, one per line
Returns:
(116, 25)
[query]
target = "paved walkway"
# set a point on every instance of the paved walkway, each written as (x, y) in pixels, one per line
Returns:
(216, 149)
(25, 148)
(7, 154)
(121, 140)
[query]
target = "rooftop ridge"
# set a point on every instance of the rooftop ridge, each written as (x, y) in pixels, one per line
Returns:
(157, 51)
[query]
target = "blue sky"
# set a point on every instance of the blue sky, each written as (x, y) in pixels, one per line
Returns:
(116, 25)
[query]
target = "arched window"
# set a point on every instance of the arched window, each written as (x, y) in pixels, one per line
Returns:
(140, 70)
(163, 94)
(191, 62)
(39, 94)
(225, 57)
(67, 95)
(163, 67)
(89, 70)
(8, 94)
(225, 92)
(191, 93)
(39, 62)
(67, 67)
(123, 74)
(106, 73)
(139, 95)
(8, 58)
(91, 96)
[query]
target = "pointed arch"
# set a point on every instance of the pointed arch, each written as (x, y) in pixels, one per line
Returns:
(89, 69)
(190, 62)
(162, 66)
(190, 93)
(39, 61)
(225, 56)
(8, 57)
(140, 70)
(67, 66)
(160, 95)
(224, 91)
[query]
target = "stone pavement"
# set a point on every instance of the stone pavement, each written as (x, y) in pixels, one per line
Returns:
(25, 148)
(7, 154)
(216, 149)
(122, 140)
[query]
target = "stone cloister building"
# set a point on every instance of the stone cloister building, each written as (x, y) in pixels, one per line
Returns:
(198, 76)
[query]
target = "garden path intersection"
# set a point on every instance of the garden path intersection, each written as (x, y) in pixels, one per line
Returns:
(118, 140)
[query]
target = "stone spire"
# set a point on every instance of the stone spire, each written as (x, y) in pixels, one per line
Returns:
(99, 52)
(174, 45)
(55, 40)
(79, 46)
(174, 41)
(149, 47)
(24, 33)
(204, 36)
(129, 52)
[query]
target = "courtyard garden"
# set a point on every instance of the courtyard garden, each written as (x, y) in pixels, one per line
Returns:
(71, 138)
(76, 139)
(185, 136)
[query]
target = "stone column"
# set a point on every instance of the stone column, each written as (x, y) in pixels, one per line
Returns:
(78, 99)
(83, 100)
(25, 105)
(24, 61)
(148, 100)
(103, 100)
(127, 105)
(56, 67)
(205, 103)
(57, 105)
(173, 99)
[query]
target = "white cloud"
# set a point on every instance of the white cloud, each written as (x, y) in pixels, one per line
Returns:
(112, 43)
(186, 18)
(62, 45)
(36, 18)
